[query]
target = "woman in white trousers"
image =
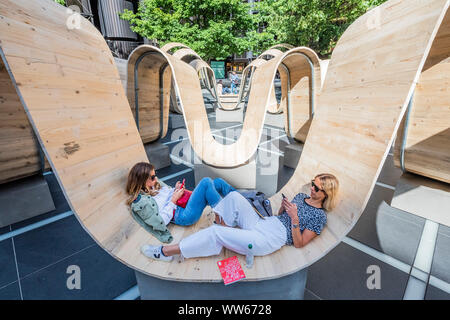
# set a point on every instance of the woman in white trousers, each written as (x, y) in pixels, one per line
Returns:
(238, 225)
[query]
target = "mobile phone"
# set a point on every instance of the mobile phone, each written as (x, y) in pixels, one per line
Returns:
(284, 197)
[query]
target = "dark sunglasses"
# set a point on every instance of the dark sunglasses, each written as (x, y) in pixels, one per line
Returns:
(316, 188)
(153, 177)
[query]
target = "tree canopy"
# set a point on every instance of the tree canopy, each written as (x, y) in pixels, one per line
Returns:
(216, 29)
(317, 24)
(213, 28)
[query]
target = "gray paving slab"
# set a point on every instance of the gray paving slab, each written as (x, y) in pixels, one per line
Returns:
(158, 154)
(101, 277)
(441, 259)
(8, 273)
(389, 173)
(342, 274)
(10, 292)
(290, 287)
(38, 248)
(284, 174)
(176, 120)
(267, 172)
(309, 295)
(172, 169)
(18, 207)
(59, 200)
(365, 230)
(292, 154)
(434, 293)
(399, 232)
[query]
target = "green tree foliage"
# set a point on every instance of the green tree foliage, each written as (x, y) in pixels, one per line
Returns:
(215, 29)
(61, 2)
(317, 24)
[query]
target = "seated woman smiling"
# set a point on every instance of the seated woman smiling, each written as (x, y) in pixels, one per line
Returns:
(298, 222)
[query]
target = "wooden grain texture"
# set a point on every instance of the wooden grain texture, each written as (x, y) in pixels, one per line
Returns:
(19, 152)
(427, 140)
(85, 125)
(149, 94)
(292, 63)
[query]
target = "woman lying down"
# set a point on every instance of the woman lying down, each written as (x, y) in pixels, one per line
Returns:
(297, 223)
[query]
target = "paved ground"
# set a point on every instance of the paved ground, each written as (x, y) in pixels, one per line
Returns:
(33, 264)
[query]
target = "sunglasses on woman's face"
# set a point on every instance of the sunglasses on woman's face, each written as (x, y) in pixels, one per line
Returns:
(153, 177)
(316, 188)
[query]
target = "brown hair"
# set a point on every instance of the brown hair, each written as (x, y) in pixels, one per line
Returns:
(137, 178)
(330, 185)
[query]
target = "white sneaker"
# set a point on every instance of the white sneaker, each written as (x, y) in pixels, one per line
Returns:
(154, 252)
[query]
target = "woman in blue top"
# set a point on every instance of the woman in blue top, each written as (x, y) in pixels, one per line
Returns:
(142, 183)
(297, 223)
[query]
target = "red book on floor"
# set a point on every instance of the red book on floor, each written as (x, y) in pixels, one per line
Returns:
(230, 270)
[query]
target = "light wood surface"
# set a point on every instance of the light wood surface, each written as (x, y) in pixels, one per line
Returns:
(149, 94)
(282, 46)
(427, 139)
(292, 63)
(19, 152)
(74, 99)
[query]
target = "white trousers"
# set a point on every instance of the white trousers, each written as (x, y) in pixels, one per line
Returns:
(266, 235)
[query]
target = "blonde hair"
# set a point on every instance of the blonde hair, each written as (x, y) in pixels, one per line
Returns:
(137, 179)
(330, 185)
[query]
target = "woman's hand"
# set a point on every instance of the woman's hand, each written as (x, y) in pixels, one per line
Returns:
(291, 209)
(179, 184)
(177, 194)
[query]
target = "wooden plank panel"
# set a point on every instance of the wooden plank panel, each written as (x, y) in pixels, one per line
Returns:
(359, 109)
(427, 140)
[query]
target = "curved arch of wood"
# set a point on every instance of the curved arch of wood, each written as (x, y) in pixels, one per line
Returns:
(186, 55)
(172, 45)
(274, 107)
(183, 53)
(78, 110)
(188, 90)
(149, 83)
(285, 46)
(270, 52)
(423, 146)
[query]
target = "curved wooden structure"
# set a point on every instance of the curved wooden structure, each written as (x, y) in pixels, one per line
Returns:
(282, 46)
(423, 141)
(186, 54)
(20, 155)
(72, 95)
(188, 90)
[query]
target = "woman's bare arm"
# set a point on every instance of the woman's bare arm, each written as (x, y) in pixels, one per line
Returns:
(300, 239)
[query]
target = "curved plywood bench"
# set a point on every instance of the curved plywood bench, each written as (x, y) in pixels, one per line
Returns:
(423, 142)
(282, 46)
(188, 55)
(19, 149)
(172, 45)
(187, 85)
(152, 108)
(299, 92)
(77, 107)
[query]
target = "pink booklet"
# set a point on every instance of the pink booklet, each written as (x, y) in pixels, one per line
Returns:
(230, 270)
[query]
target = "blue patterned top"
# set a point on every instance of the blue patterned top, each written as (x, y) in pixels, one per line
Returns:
(310, 217)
